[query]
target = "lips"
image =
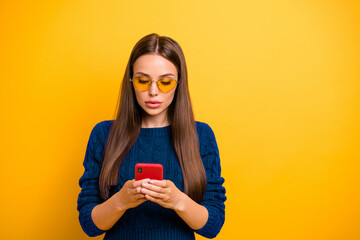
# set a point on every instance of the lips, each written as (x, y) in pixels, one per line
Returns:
(153, 103)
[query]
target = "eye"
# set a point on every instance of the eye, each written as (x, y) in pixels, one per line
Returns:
(166, 82)
(143, 80)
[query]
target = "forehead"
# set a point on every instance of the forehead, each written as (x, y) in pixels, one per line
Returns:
(154, 65)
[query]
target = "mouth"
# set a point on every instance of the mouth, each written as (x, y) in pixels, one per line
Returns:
(153, 104)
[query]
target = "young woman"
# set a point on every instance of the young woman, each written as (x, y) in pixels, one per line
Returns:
(154, 124)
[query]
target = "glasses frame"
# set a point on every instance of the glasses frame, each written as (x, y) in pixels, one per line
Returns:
(177, 82)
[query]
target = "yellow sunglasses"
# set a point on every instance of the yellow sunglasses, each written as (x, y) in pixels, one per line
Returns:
(164, 85)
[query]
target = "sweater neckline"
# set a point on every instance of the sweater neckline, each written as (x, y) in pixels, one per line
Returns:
(158, 131)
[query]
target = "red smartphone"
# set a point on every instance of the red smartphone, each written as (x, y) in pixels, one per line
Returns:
(148, 170)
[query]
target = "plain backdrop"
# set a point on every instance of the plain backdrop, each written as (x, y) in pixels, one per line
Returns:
(278, 81)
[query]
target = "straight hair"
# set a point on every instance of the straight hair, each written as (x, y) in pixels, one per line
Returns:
(126, 128)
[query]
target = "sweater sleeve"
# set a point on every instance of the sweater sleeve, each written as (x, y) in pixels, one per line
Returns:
(89, 196)
(214, 197)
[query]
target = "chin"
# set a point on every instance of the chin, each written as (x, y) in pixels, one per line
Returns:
(153, 112)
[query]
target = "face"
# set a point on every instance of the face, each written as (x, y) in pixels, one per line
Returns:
(154, 102)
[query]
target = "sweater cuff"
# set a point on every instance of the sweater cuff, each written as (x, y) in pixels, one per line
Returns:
(88, 225)
(212, 226)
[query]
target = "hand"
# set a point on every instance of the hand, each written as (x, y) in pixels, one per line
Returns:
(164, 193)
(130, 195)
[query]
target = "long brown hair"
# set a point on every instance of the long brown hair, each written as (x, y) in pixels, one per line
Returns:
(126, 127)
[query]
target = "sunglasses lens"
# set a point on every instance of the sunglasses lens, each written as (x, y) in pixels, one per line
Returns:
(141, 83)
(166, 85)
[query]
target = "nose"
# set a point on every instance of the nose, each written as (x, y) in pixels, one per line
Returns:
(153, 90)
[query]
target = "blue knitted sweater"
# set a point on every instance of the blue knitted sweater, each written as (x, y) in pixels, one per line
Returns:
(150, 220)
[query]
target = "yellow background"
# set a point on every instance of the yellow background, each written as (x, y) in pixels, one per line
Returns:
(278, 81)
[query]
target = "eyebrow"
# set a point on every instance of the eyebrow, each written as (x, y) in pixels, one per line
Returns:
(164, 75)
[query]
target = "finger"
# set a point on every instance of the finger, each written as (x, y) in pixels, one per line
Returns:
(138, 183)
(152, 187)
(139, 196)
(159, 183)
(152, 193)
(134, 191)
(155, 200)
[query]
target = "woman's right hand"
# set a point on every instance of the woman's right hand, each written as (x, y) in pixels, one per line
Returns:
(106, 214)
(130, 195)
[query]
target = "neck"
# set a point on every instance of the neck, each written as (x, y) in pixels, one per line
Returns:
(154, 121)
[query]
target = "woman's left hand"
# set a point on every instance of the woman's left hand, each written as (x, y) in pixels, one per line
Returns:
(164, 193)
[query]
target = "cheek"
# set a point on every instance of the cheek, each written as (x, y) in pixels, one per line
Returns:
(172, 95)
(170, 98)
(139, 96)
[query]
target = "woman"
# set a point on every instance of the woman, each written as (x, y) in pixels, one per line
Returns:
(154, 124)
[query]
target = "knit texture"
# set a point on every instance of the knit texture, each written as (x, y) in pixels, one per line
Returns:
(150, 220)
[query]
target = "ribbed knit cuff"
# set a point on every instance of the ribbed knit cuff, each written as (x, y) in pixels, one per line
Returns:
(160, 233)
(212, 226)
(87, 223)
